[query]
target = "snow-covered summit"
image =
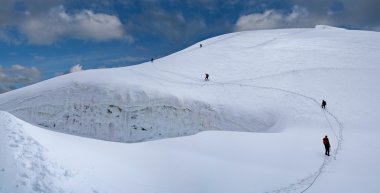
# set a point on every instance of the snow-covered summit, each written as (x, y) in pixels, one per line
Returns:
(328, 27)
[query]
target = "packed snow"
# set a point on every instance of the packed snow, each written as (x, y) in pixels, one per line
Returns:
(256, 126)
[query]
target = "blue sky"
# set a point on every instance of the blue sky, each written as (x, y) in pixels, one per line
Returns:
(40, 39)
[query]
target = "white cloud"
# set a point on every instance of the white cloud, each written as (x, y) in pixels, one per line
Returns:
(271, 19)
(76, 68)
(17, 75)
(46, 29)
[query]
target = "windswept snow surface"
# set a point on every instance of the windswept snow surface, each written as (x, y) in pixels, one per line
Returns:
(266, 83)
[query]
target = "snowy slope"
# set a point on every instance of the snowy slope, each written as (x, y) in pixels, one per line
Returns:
(208, 162)
(268, 83)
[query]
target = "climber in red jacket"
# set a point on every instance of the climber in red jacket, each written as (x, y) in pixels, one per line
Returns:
(326, 142)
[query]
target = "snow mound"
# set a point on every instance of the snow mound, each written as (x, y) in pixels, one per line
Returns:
(328, 27)
(25, 165)
(36, 160)
(169, 98)
(134, 115)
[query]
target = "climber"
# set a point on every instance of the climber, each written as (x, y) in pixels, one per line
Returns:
(327, 145)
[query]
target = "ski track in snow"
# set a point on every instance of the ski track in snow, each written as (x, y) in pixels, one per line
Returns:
(310, 180)
(210, 44)
(298, 71)
(278, 38)
(237, 34)
(302, 185)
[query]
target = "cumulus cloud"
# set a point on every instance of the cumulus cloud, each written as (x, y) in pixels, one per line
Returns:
(341, 13)
(271, 19)
(16, 76)
(82, 25)
(76, 68)
(73, 69)
(45, 22)
(363, 14)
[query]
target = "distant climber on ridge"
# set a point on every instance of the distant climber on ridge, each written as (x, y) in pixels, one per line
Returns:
(151, 60)
(326, 142)
(200, 45)
(206, 78)
(323, 104)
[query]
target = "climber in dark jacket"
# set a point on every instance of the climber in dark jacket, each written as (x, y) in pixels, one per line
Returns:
(326, 142)
(323, 104)
(206, 78)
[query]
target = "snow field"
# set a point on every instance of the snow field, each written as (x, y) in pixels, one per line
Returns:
(209, 158)
(266, 83)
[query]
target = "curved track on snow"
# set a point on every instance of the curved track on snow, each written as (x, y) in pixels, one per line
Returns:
(336, 126)
(302, 185)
